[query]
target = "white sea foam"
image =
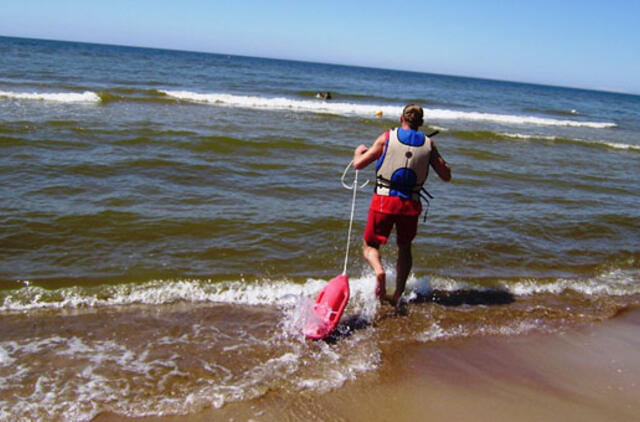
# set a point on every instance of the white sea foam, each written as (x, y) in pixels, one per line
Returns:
(161, 292)
(5, 357)
(527, 137)
(615, 145)
(367, 110)
(76, 389)
(154, 377)
(436, 332)
(618, 145)
(612, 283)
(61, 97)
(285, 293)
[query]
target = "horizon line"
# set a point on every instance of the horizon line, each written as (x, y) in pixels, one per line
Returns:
(578, 88)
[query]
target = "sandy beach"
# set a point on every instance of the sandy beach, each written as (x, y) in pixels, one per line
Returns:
(589, 373)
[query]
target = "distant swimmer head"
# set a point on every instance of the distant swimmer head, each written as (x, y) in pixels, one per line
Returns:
(413, 115)
(323, 95)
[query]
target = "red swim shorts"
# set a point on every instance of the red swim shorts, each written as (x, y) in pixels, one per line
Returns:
(379, 227)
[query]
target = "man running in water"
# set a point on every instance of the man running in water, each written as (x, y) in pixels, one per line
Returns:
(403, 158)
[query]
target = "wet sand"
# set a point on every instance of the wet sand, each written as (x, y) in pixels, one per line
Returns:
(589, 373)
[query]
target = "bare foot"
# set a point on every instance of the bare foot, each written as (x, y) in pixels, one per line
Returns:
(399, 305)
(401, 308)
(381, 287)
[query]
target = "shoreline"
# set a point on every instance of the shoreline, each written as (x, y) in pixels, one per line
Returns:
(587, 373)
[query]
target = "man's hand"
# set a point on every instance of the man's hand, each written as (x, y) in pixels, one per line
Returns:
(361, 149)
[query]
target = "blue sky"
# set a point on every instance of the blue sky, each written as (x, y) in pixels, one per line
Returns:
(589, 44)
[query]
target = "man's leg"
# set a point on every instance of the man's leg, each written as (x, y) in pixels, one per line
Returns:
(376, 233)
(403, 267)
(406, 227)
(372, 255)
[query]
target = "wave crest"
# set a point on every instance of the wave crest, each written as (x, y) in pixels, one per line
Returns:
(285, 293)
(60, 97)
(367, 110)
(486, 134)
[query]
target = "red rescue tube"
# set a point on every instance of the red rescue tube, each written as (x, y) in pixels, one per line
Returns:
(328, 309)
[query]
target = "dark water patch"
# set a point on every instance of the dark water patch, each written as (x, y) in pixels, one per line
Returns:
(465, 181)
(119, 225)
(595, 188)
(126, 90)
(572, 203)
(135, 95)
(481, 154)
(118, 202)
(122, 135)
(259, 165)
(87, 169)
(60, 123)
(279, 190)
(549, 180)
(9, 142)
(115, 227)
(136, 141)
(621, 220)
(56, 143)
(59, 191)
(137, 91)
(18, 127)
(565, 229)
(88, 130)
(229, 145)
(542, 247)
(146, 163)
(287, 143)
(217, 144)
(164, 132)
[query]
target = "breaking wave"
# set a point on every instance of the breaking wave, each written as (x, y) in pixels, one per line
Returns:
(367, 110)
(485, 134)
(60, 97)
(285, 293)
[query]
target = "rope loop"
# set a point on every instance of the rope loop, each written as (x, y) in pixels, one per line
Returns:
(344, 174)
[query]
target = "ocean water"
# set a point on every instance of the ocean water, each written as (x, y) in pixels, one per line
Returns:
(167, 217)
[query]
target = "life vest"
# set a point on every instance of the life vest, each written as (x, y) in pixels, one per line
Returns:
(404, 165)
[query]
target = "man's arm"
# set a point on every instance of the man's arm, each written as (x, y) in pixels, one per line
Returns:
(439, 165)
(364, 156)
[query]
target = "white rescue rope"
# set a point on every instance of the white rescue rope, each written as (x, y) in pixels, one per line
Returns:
(353, 187)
